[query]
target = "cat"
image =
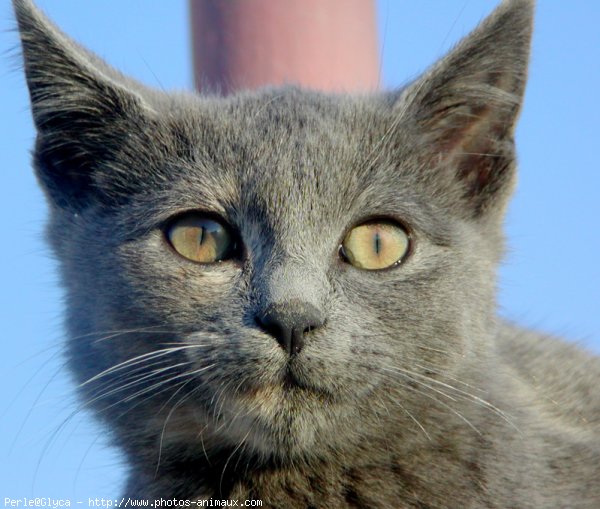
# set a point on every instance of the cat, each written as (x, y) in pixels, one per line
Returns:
(288, 296)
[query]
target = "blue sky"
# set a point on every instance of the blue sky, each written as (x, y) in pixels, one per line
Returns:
(550, 279)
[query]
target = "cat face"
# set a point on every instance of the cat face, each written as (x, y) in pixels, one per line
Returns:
(258, 271)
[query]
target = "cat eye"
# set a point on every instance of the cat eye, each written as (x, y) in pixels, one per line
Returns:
(375, 245)
(201, 238)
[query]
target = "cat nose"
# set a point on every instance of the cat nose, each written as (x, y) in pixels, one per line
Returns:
(289, 323)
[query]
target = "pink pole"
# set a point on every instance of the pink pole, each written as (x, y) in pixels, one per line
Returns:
(322, 44)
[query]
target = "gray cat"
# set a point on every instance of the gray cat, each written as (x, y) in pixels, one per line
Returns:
(289, 295)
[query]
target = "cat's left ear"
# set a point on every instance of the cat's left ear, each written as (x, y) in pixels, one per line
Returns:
(465, 109)
(89, 117)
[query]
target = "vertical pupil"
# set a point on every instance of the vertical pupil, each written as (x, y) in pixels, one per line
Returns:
(201, 236)
(377, 243)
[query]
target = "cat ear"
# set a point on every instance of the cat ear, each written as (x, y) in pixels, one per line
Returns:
(83, 111)
(466, 107)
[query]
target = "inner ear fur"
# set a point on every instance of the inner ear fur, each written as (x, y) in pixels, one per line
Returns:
(85, 112)
(466, 106)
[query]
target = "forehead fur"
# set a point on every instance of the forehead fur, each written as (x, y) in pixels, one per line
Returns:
(102, 137)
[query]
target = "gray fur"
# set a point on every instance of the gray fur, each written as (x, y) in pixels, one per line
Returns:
(413, 393)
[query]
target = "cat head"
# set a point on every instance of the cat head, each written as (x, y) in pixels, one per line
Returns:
(263, 271)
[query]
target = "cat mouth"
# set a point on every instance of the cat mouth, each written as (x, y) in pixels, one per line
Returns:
(288, 386)
(291, 381)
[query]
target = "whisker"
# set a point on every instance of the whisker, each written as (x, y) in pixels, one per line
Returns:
(455, 412)
(163, 382)
(414, 419)
(121, 387)
(437, 372)
(465, 395)
(135, 360)
(34, 404)
(175, 406)
(242, 441)
(408, 374)
(114, 332)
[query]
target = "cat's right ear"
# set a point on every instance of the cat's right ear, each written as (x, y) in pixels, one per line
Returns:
(83, 111)
(464, 110)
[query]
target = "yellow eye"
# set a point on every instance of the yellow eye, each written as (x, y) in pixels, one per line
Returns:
(375, 245)
(200, 238)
